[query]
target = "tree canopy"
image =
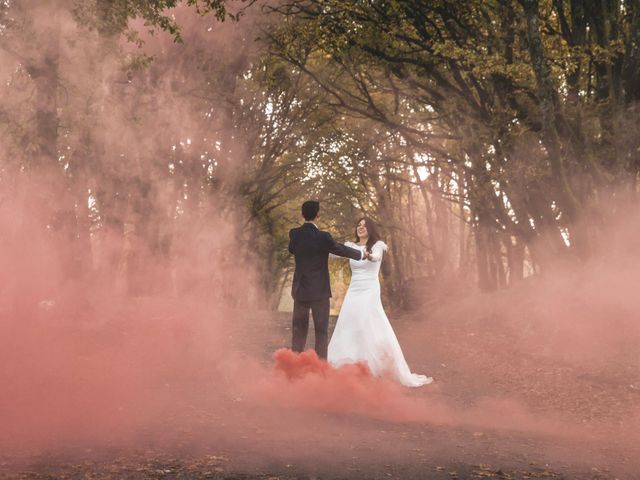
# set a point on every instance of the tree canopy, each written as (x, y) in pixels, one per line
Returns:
(487, 138)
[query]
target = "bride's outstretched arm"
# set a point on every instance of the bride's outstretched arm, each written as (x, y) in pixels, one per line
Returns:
(377, 251)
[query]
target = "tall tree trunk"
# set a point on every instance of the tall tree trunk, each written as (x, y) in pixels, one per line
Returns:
(567, 199)
(515, 259)
(56, 201)
(487, 273)
(463, 261)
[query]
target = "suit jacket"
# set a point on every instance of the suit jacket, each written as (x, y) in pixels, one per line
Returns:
(311, 248)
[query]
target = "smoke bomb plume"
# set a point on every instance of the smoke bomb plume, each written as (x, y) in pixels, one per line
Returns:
(131, 309)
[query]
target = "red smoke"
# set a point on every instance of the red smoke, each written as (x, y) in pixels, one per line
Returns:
(81, 363)
(304, 381)
(313, 383)
(298, 365)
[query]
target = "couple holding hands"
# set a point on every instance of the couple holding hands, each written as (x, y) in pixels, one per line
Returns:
(363, 332)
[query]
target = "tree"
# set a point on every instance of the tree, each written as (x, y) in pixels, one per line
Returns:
(478, 89)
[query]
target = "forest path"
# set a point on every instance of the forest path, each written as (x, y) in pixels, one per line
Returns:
(470, 365)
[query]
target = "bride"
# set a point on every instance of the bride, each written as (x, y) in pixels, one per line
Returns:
(363, 332)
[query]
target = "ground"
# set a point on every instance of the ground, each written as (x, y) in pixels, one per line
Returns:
(469, 364)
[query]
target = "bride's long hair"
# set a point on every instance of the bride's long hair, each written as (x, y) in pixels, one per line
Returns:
(372, 231)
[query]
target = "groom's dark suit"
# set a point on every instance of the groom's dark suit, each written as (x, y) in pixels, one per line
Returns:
(311, 289)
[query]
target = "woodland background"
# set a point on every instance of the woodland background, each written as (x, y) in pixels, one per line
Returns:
(490, 140)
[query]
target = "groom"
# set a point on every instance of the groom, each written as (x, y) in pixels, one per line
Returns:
(310, 290)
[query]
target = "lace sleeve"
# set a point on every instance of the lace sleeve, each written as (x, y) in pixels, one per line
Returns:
(378, 250)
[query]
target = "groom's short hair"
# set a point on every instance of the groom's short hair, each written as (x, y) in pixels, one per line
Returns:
(310, 209)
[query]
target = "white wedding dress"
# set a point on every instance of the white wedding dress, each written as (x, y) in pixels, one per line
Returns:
(363, 332)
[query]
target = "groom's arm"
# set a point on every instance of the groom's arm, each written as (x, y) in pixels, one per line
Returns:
(291, 242)
(342, 250)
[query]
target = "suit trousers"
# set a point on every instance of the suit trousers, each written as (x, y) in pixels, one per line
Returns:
(300, 328)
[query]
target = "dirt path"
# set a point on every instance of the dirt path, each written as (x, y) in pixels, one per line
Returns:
(469, 365)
